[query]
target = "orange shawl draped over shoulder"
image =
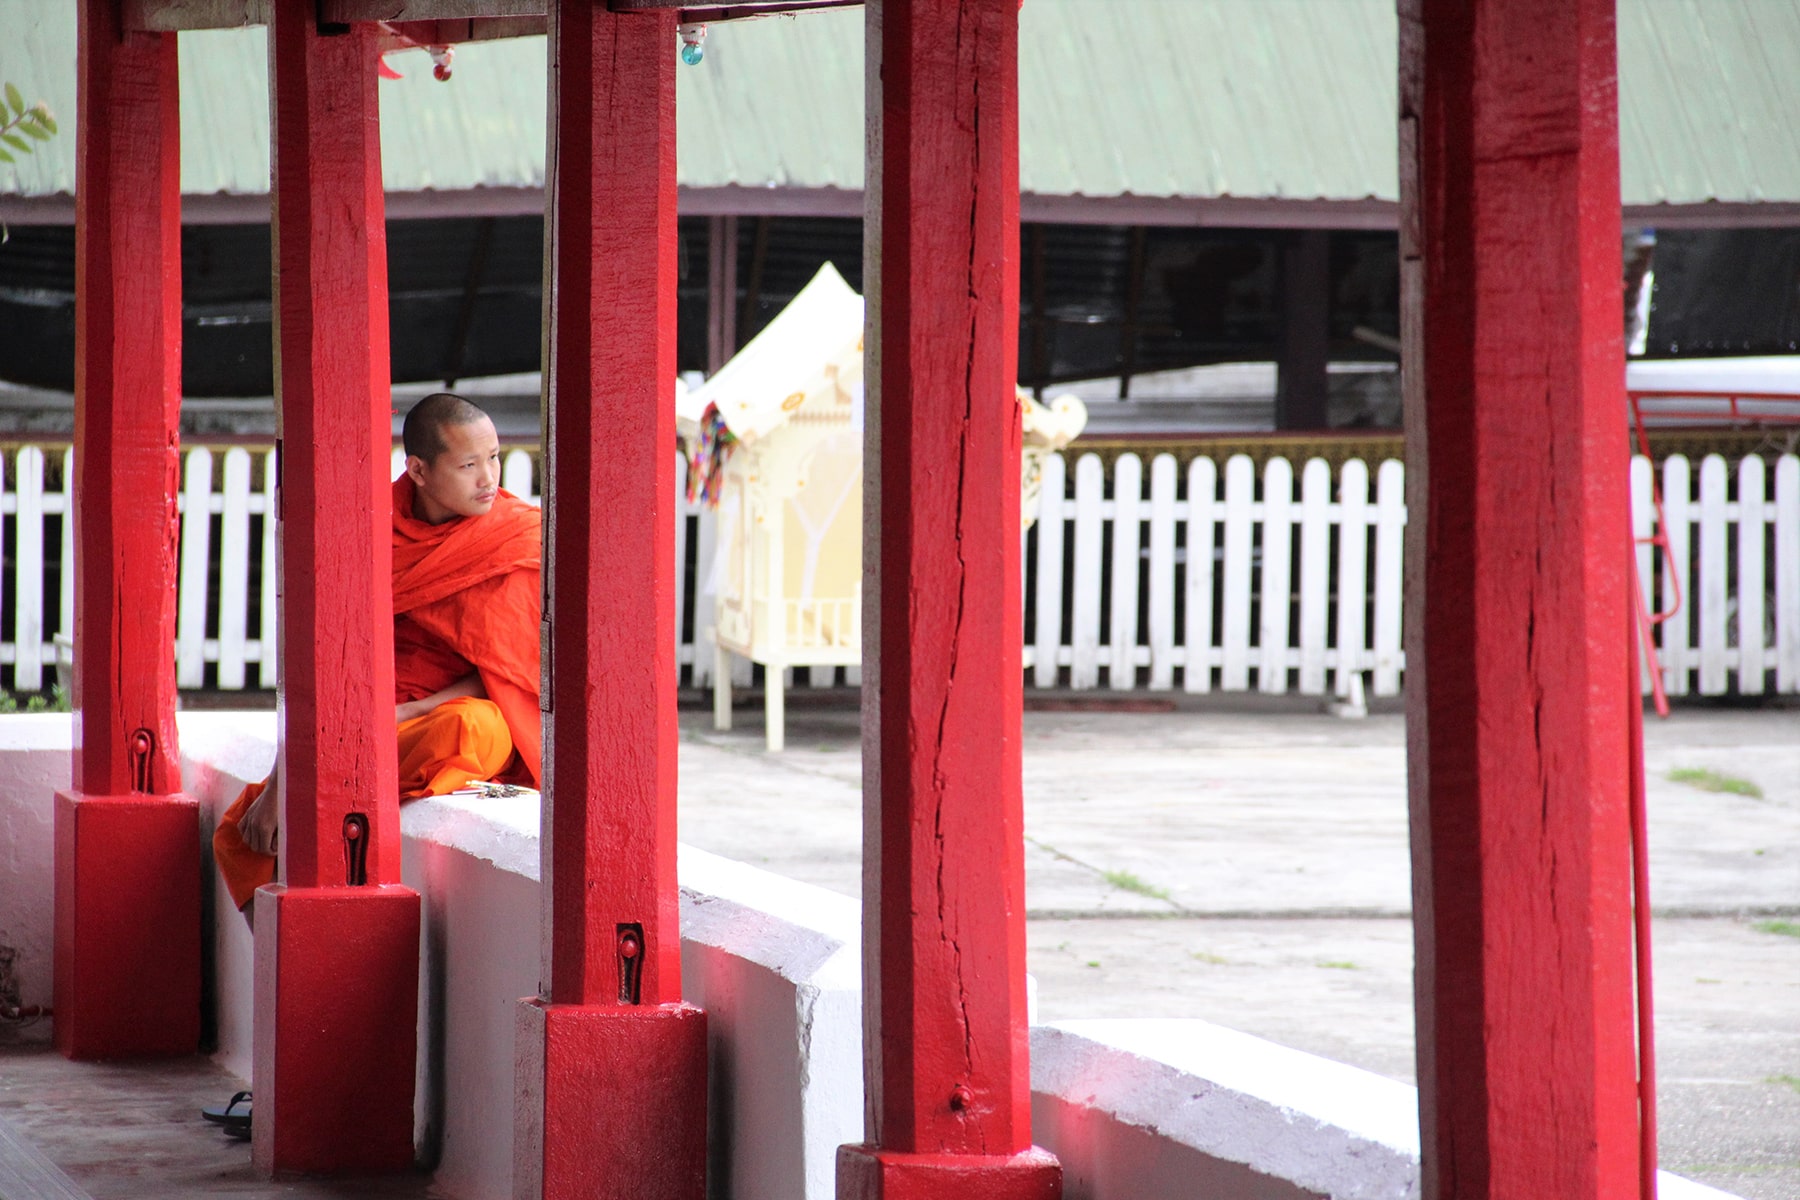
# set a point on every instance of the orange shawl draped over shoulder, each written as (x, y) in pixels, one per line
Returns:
(474, 585)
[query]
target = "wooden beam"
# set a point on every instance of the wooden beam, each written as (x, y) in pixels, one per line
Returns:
(612, 1007)
(170, 16)
(1517, 689)
(336, 950)
(1303, 381)
(945, 1043)
(126, 958)
(346, 12)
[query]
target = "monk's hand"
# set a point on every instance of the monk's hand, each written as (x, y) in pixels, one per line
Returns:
(261, 822)
(406, 712)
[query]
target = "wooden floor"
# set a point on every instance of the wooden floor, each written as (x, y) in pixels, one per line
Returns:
(133, 1131)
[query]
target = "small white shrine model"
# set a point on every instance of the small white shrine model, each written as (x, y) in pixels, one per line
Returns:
(774, 439)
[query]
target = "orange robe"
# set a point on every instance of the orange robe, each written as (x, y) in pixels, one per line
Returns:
(467, 600)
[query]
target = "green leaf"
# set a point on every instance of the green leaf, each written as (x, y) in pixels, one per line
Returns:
(13, 98)
(15, 141)
(30, 130)
(46, 120)
(5, 157)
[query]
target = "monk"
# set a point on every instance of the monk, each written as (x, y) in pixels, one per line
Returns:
(467, 605)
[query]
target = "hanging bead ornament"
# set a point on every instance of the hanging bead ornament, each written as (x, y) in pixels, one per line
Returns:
(693, 42)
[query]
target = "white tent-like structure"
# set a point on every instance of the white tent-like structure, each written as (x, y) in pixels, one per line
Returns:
(775, 439)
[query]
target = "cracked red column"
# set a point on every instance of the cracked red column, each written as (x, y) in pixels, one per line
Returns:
(126, 974)
(336, 963)
(612, 1064)
(1516, 684)
(945, 1037)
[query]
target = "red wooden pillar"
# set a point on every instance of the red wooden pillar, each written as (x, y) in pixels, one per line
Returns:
(1516, 684)
(945, 1036)
(612, 1062)
(336, 959)
(126, 974)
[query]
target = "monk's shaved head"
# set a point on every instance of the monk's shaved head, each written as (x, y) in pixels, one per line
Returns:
(423, 432)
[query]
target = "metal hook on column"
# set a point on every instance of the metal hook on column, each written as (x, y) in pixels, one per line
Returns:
(356, 850)
(141, 746)
(631, 963)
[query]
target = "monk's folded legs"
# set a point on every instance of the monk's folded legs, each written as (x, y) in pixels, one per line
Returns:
(453, 745)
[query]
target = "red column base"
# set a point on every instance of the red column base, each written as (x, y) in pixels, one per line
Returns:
(867, 1173)
(126, 966)
(337, 1025)
(612, 1102)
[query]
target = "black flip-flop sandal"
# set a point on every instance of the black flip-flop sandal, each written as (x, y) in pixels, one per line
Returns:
(234, 1116)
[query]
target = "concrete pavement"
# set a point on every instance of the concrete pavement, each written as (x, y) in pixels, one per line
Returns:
(1246, 861)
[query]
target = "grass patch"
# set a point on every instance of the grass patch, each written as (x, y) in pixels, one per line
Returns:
(1708, 780)
(55, 700)
(1782, 928)
(1792, 1081)
(1340, 965)
(1125, 881)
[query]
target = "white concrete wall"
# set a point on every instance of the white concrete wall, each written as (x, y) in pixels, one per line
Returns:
(774, 963)
(1160, 1109)
(1134, 1108)
(34, 764)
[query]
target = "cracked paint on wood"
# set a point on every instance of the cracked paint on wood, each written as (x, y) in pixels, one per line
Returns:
(946, 1038)
(1517, 689)
(127, 408)
(335, 433)
(610, 727)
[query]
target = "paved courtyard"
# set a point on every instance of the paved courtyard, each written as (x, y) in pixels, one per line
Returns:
(1246, 862)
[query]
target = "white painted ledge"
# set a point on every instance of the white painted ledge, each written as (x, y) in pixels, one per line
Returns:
(1164, 1109)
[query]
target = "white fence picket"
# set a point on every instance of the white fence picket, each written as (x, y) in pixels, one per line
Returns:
(683, 577)
(1161, 575)
(1643, 526)
(515, 475)
(1787, 574)
(28, 553)
(1127, 547)
(1047, 613)
(1234, 622)
(1709, 599)
(1737, 624)
(1751, 552)
(1353, 574)
(196, 553)
(1315, 569)
(1203, 516)
(1090, 480)
(1390, 539)
(66, 506)
(234, 568)
(1673, 644)
(268, 666)
(1274, 594)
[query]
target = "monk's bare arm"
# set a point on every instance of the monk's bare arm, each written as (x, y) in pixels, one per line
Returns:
(468, 685)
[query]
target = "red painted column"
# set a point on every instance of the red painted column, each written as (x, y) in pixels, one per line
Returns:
(337, 948)
(614, 1063)
(126, 974)
(1516, 684)
(945, 1036)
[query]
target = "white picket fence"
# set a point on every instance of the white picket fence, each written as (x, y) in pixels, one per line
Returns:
(1207, 580)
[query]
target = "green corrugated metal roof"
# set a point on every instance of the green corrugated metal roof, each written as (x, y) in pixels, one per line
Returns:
(1259, 99)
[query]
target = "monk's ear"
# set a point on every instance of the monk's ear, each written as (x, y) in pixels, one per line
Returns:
(415, 469)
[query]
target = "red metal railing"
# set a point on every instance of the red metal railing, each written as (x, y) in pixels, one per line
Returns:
(1688, 408)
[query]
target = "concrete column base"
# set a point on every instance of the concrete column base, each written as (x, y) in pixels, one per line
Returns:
(337, 1017)
(612, 1102)
(867, 1173)
(126, 962)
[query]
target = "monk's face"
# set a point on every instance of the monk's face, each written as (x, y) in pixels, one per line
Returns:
(463, 480)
